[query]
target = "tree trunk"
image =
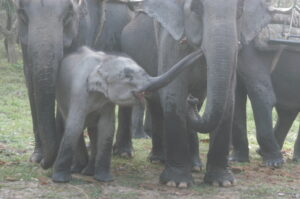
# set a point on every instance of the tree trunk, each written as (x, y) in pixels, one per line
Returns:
(10, 35)
(11, 52)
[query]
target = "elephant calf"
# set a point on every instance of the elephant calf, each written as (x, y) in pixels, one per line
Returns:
(89, 84)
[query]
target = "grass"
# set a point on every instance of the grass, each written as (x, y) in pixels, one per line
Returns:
(134, 178)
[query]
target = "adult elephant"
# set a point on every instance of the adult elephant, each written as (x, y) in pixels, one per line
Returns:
(270, 80)
(48, 30)
(145, 53)
(214, 27)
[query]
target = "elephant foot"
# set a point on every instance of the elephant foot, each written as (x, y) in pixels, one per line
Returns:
(61, 177)
(89, 170)
(103, 176)
(46, 164)
(36, 156)
(176, 177)
(156, 158)
(274, 159)
(77, 168)
(296, 156)
(197, 165)
(238, 156)
(123, 152)
(217, 176)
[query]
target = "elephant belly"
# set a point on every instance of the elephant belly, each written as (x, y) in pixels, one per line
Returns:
(286, 81)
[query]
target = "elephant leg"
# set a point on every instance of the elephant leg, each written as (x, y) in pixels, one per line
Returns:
(240, 152)
(200, 94)
(81, 156)
(262, 109)
(89, 170)
(60, 125)
(137, 122)
(296, 156)
(254, 69)
(148, 123)
(178, 159)
(155, 111)
(283, 125)
(123, 145)
(217, 171)
(68, 145)
(37, 154)
(194, 143)
(105, 135)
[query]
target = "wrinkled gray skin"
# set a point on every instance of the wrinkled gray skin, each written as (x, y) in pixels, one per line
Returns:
(266, 90)
(89, 84)
(134, 44)
(215, 28)
(48, 30)
(137, 122)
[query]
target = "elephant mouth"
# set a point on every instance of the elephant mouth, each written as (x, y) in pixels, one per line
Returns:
(141, 96)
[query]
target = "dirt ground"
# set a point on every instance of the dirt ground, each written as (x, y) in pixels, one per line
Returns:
(137, 178)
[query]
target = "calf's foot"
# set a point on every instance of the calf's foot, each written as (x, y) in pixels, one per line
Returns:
(36, 156)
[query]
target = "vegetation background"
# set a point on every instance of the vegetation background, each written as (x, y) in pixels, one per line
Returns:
(134, 178)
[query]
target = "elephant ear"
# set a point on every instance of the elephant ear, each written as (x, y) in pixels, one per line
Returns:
(193, 22)
(254, 18)
(96, 81)
(71, 22)
(169, 13)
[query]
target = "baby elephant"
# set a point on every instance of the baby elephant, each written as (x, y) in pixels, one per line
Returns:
(89, 85)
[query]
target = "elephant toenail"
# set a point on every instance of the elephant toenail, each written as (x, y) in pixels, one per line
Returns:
(226, 184)
(171, 184)
(215, 184)
(183, 185)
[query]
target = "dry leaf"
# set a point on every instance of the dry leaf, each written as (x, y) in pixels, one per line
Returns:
(43, 180)
(10, 179)
(2, 162)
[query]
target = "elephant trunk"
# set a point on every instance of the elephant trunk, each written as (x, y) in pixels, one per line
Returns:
(220, 49)
(45, 54)
(156, 83)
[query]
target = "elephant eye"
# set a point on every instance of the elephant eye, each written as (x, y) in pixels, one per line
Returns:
(22, 16)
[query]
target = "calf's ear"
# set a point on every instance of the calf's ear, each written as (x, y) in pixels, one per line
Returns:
(96, 81)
